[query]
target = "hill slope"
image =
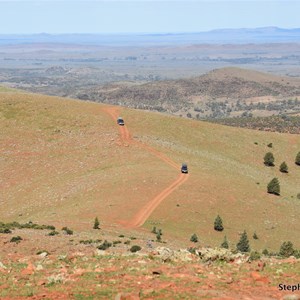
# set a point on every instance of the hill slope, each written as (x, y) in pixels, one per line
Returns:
(64, 162)
(221, 92)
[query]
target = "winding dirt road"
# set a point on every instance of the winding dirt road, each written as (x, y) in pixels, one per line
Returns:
(143, 214)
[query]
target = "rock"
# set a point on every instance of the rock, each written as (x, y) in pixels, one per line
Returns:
(39, 267)
(212, 254)
(167, 254)
(43, 254)
(99, 252)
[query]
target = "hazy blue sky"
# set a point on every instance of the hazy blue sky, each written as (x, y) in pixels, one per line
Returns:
(98, 16)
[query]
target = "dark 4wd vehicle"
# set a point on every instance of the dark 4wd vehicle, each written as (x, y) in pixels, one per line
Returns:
(184, 168)
(120, 121)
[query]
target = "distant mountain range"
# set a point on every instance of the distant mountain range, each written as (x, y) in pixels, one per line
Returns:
(219, 36)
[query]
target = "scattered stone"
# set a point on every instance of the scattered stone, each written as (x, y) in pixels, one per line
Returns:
(213, 254)
(99, 252)
(39, 267)
(43, 254)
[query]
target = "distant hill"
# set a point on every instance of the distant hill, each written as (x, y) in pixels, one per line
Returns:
(219, 36)
(219, 93)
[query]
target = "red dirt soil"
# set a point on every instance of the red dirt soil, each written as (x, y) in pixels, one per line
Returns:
(143, 214)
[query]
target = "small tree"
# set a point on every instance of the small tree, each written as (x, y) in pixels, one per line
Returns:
(194, 238)
(218, 225)
(286, 249)
(96, 224)
(284, 168)
(255, 236)
(158, 236)
(225, 243)
(274, 187)
(154, 230)
(243, 244)
(297, 160)
(269, 159)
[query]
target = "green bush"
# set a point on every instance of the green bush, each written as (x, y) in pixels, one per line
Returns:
(274, 187)
(5, 230)
(254, 255)
(225, 243)
(284, 168)
(255, 236)
(96, 224)
(297, 159)
(265, 252)
(67, 230)
(16, 239)
(105, 245)
(135, 248)
(286, 249)
(243, 244)
(269, 159)
(218, 224)
(194, 238)
(52, 233)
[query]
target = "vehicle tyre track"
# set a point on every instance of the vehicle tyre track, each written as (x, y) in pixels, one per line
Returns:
(143, 214)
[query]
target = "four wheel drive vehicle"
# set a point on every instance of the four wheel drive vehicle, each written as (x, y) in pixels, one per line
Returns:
(120, 121)
(184, 168)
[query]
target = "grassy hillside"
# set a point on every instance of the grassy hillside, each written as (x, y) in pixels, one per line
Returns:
(63, 162)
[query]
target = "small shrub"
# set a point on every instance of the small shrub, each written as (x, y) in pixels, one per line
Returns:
(117, 242)
(284, 168)
(105, 245)
(5, 230)
(297, 159)
(121, 235)
(274, 187)
(194, 238)
(16, 239)
(255, 236)
(269, 159)
(52, 233)
(225, 243)
(127, 242)
(265, 252)
(135, 248)
(286, 249)
(96, 224)
(133, 238)
(154, 230)
(243, 244)
(67, 230)
(254, 255)
(298, 196)
(218, 224)
(270, 145)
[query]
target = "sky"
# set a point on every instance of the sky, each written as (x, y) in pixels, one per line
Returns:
(143, 16)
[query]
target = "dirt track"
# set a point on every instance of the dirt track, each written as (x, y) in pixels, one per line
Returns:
(143, 214)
